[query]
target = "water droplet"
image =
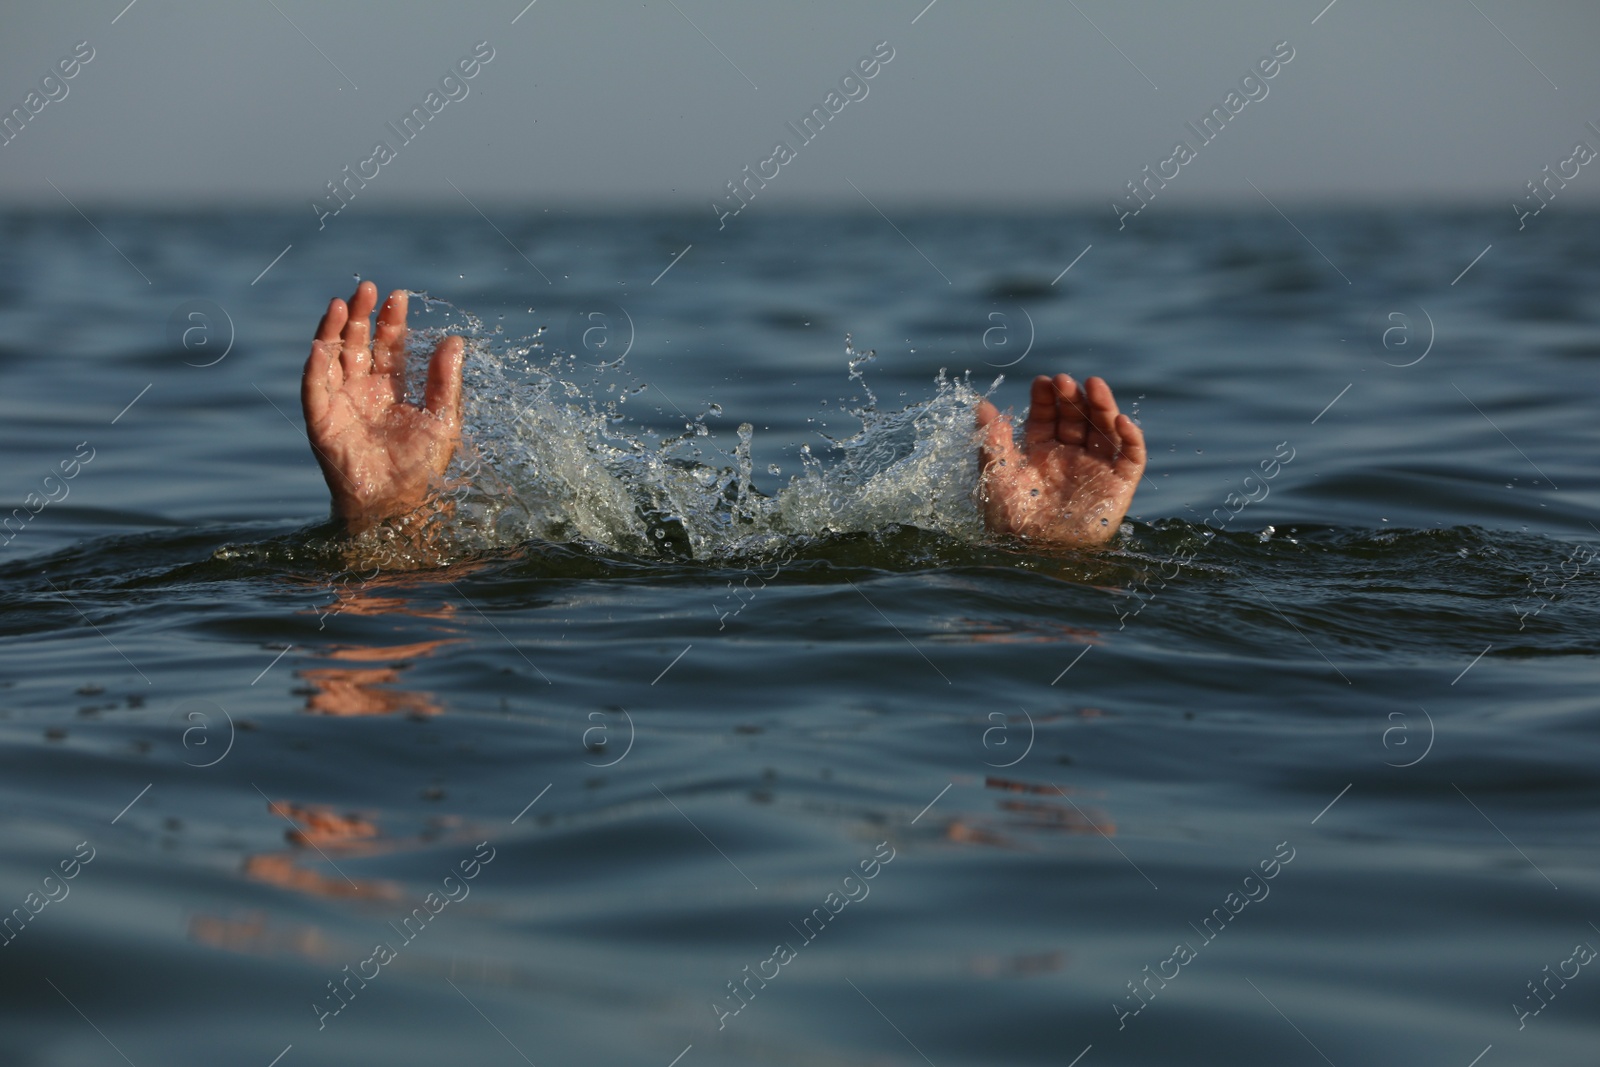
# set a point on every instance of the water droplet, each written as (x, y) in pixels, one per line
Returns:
(774, 469)
(1033, 492)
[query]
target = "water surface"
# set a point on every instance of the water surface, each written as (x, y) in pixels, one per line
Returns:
(683, 695)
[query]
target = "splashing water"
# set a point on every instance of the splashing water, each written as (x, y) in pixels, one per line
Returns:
(548, 455)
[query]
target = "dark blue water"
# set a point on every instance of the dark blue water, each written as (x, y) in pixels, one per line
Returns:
(1314, 781)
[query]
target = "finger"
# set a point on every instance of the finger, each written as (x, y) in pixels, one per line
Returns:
(322, 375)
(443, 396)
(1072, 423)
(986, 413)
(358, 330)
(332, 320)
(1132, 459)
(389, 344)
(314, 389)
(1102, 411)
(1041, 426)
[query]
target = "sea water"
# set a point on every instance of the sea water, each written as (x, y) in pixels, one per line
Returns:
(719, 629)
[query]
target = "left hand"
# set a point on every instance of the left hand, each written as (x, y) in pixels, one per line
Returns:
(379, 455)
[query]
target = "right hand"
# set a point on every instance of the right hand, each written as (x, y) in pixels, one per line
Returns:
(1072, 482)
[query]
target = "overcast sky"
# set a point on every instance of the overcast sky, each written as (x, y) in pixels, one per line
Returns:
(664, 101)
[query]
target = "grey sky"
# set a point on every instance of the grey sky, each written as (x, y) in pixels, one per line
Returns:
(622, 103)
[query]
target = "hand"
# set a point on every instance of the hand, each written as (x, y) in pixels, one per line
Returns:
(379, 455)
(1082, 465)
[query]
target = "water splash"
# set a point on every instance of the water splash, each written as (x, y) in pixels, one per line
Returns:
(549, 455)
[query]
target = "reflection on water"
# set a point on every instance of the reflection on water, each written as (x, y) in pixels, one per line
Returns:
(252, 933)
(1026, 818)
(375, 690)
(369, 690)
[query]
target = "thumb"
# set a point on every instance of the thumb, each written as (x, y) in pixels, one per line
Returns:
(998, 443)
